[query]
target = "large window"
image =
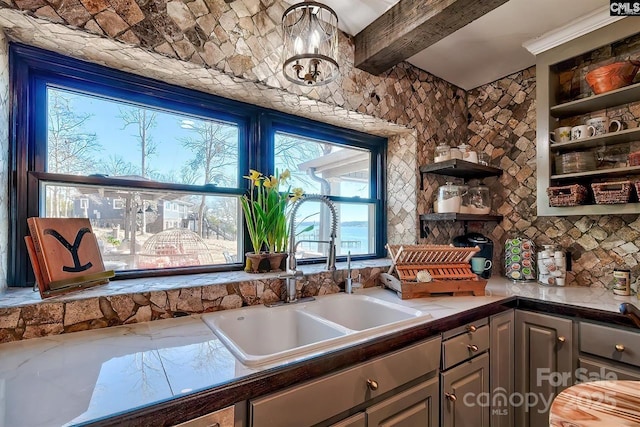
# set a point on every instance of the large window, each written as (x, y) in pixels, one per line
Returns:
(158, 169)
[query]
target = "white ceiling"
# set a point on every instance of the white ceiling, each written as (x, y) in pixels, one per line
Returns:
(486, 49)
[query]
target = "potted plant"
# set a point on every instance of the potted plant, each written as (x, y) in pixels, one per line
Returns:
(266, 211)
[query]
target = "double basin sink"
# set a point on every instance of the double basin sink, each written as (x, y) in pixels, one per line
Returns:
(261, 335)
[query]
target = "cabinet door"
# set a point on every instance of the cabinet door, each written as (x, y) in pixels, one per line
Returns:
(501, 360)
(465, 394)
(544, 365)
(357, 420)
(415, 407)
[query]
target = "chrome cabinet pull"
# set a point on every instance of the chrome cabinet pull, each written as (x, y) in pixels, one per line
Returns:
(372, 384)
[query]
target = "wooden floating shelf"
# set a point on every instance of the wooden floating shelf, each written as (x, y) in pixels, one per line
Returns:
(460, 169)
(631, 170)
(611, 138)
(613, 98)
(459, 217)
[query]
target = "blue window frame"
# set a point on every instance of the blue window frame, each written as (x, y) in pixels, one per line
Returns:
(159, 168)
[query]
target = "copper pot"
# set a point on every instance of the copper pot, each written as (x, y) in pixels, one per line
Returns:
(612, 76)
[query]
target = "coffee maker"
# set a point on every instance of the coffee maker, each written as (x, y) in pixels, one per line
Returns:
(485, 244)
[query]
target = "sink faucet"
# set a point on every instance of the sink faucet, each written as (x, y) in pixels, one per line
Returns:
(292, 273)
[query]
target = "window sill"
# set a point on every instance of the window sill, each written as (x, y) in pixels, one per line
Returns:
(19, 297)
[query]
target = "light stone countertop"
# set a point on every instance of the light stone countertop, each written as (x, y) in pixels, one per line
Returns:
(78, 377)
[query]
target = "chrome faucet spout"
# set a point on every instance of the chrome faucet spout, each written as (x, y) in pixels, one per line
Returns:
(292, 273)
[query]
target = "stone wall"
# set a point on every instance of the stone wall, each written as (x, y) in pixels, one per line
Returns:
(503, 120)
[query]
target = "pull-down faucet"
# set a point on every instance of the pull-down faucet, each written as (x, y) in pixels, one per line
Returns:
(292, 273)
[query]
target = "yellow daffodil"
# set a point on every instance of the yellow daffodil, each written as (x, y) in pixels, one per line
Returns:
(254, 176)
(297, 193)
(271, 182)
(285, 175)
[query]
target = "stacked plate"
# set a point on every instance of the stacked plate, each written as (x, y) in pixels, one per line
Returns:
(577, 161)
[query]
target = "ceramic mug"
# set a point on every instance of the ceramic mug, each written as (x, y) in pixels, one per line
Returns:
(582, 131)
(480, 264)
(562, 134)
(602, 125)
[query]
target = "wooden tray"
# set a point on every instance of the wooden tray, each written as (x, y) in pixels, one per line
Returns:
(448, 266)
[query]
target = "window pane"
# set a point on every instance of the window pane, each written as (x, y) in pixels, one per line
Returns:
(151, 229)
(355, 231)
(91, 135)
(323, 168)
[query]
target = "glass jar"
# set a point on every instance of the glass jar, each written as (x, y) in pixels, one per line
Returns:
(448, 198)
(483, 158)
(468, 154)
(456, 153)
(465, 199)
(442, 153)
(479, 200)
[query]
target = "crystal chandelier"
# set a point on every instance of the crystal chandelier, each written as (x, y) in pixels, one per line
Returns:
(310, 31)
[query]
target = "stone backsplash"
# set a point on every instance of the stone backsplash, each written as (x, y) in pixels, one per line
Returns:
(141, 300)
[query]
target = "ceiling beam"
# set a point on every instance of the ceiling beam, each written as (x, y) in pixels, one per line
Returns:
(410, 27)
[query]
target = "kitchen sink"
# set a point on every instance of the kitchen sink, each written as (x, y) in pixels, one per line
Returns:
(261, 335)
(359, 312)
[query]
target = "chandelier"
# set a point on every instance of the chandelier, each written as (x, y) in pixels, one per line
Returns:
(310, 31)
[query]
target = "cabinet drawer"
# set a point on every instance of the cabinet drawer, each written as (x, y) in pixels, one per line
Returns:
(469, 327)
(222, 418)
(318, 400)
(595, 370)
(465, 346)
(611, 343)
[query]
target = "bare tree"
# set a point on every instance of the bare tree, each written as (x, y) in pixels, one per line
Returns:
(214, 146)
(291, 150)
(144, 120)
(70, 147)
(116, 165)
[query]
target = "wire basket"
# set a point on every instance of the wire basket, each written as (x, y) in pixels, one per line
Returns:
(568, 195)
(611, 193)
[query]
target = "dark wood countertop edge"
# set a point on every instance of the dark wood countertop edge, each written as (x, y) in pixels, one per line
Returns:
(179, 409)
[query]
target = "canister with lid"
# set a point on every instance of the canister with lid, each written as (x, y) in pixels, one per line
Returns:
(552, 266)
(448, 198)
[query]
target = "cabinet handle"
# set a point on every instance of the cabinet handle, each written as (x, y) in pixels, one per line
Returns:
(471, 328)
(472, 347)
(561, 339)
(619, 348)
(451, 397)
(372, 384)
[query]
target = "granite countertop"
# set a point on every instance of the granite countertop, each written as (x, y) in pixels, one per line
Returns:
(79, 377)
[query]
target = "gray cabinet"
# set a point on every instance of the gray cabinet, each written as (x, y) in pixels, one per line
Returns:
(608, 353)
(544, 364)
(415, 407)
(357, 420)
(501, 368)
(465, 393)
(351, 390)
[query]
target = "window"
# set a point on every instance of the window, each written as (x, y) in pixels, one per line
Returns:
(158, 169)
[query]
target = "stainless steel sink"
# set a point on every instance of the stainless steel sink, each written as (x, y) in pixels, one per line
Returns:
(259, 335)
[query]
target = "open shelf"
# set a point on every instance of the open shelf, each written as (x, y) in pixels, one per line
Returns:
(460, 169)
(619, 209)
(611, 138)
(613, 98)
(453, 216)
(631, 170)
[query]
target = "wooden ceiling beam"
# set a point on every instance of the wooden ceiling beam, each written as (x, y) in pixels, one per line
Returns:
(411, 26)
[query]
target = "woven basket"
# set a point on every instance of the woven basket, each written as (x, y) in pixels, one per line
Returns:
(611, 193)
(568, 195)
(634, 159)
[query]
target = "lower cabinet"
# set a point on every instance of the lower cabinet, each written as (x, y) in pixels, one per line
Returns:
(357, 420)
(398, 389)
(466, 393)
(501, 368)
(544, 365)
(222, 418)
(415, 407)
